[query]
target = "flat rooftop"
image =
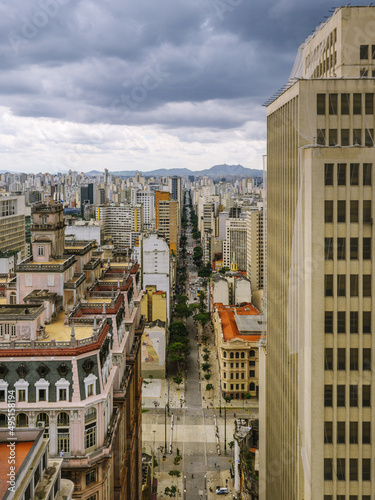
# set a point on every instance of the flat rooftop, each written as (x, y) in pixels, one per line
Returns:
(60, 332)
(21, 451)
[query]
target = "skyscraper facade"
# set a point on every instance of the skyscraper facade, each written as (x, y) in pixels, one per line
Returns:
(319, 389)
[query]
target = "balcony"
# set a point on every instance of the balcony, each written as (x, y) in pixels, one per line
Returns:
(47, 227)
(28, 265)
(75, 282)
(92, 264)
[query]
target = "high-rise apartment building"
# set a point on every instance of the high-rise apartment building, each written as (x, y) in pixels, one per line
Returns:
(122, 223)
(12, 224)
(168, 222)
(234, 244)
(318, 440)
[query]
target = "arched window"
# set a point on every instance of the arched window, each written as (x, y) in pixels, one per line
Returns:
(63, 432)
(43, 417)
(63, 419)
(22, 420)
(225, 354)
(13, 298)
(237, 355)
(90, 428)
(252, 386)
(231, 355)
(242, 354)
(252, 353)
(3, 420)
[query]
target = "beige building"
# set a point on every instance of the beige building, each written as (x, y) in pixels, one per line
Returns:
(318, 412)
(168, 222)
(237, 334)
(255, 249)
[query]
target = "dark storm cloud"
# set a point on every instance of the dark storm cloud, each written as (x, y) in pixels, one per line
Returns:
(148, 62)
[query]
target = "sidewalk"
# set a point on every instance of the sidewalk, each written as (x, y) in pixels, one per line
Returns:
(156, 390)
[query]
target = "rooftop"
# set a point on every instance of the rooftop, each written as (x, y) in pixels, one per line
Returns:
(60, 332)
(21, 451)
(240, 322)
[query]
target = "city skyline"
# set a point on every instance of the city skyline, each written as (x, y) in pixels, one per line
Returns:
(73, 97)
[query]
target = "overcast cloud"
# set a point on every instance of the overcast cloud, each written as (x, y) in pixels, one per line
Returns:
(124, 85)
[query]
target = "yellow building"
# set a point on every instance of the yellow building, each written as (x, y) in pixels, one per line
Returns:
(237, 333)
(154, 304)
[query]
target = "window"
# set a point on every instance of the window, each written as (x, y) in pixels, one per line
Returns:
(42, 389)
(353, 210)
(231, 355)
(90, 384)
(225, 354)
(251, 363)
(328, 174)
(353, 248)
(328, 358)
(328, 322)
(357, 137)
(367, 211)
(341, 248)
(340, 432)
(252, 373)
(354, 174)
(340, 472)
(341, 322)
(42, 395)
(353, 321)
(369, 137)
(363, 73)
(332, 99)
(341, 395)
(363, 52)
(353, 396)
(353, 469)
(328, 211)
(353, 358)
(22, 420)
(341, 174)
(366, 359)
(237, 355)
(90, 428)
(332, 137)
(366, 322)
(357, 104)
(353, 432)
(366, 249)
(328, 248)
(345, 137)
(321, 135)
(345, 103)
(252, 353)
(367, 168)
(328, 469)
(321, 104)
(328, 434)
(328, 285)
(366, 432)
(252, 386)
(366, 395)
(328, 395)
(40, 249)
(91, 477)
(3, 421)
(63, 419)
(62, 395)
(341, 285)
(366, 285)
(341, 211)
(366, 469)
(21, 395)
(341, 358)
(369, 104)
(354, 285)
(242, 354)
(231, 375)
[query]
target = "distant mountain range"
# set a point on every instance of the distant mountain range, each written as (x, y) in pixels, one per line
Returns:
(215, 171)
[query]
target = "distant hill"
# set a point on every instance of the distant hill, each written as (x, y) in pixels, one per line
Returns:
(215, 171)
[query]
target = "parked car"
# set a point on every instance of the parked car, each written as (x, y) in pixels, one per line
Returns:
(221, 491)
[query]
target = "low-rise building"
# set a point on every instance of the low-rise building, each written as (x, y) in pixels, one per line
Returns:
(237, 334)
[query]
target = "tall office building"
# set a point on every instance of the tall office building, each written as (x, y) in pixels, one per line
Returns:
(319, 436)
(255, 249)
(168, 223)
(234, 245)
(87, 196)
(122, 223)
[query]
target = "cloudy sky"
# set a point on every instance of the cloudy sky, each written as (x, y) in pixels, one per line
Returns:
(143, 84)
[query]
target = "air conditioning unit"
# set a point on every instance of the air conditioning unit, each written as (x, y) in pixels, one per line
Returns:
(40, 424)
